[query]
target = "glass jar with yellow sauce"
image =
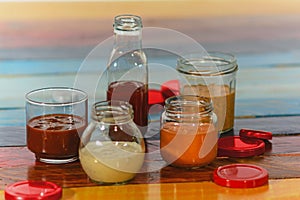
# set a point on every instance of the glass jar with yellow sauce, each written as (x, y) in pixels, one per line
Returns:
(112, 148)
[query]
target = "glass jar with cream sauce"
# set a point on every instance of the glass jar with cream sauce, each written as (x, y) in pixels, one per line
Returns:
(112, 148)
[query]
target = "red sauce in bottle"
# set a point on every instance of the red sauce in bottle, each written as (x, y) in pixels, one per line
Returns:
(55, 136)
(136, 93)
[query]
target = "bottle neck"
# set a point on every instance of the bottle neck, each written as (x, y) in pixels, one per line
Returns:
(127, 34)
(127, 60)
(126, 41)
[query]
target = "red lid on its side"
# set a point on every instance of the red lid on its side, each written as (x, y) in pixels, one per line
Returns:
(155, 97)
(170, 88)
(240, 176)
(235, 146)
(26, 190)
(264, 135)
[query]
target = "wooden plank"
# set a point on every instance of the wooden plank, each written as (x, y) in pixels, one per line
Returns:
(41, 51)
(175, 9)
(17, 163)
(276, 189)
(279, 126)
(256, 95)
(76, 38)
(12, 136)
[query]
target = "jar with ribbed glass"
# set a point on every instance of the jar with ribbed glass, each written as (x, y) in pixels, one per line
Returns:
(112, 148)
(189, 133)
(212, 75)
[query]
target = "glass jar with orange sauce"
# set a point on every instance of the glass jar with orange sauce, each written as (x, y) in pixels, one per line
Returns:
(189, 133)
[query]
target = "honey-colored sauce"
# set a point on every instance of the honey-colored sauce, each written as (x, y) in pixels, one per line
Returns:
(223, 99)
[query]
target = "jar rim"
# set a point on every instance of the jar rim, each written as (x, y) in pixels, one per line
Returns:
(51, 96)
(211, 64)
(180, 104)
(112, 111)
(127, 22)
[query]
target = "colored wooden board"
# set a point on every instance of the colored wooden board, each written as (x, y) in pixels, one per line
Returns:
(18, 163)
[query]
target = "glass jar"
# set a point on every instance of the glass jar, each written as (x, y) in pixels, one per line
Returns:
(213, 76)
(55, 119)
(127, 69)
(188, 134)
(112, 148)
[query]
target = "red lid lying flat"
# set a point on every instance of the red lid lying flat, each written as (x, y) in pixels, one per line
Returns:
(30, 190)
(240, 176)
(264, 135)
(235, 146)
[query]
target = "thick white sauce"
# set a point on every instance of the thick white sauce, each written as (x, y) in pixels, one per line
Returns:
(111, 162)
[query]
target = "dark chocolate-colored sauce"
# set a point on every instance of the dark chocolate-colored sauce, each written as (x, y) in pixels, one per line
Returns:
(55, 136)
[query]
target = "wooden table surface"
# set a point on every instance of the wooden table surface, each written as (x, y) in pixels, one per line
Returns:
(40, 49)
(281, 160)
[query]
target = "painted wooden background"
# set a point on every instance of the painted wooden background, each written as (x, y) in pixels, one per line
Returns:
(45, 44)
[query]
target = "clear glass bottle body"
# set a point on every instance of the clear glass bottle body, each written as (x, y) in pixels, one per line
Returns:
(112, 147)
(188, 134)
(127, 69)
(213, 76)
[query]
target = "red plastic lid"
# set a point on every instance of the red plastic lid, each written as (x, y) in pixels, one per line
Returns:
(155, 97)
(235, 146)
(240, 176)
(26, 190)
(264, 135)
(170, 88)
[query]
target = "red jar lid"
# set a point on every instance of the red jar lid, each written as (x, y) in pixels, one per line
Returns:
(258, 134)
(240, 176)
(235, 146)
(26, 190)
(155, 97)
(170, 88)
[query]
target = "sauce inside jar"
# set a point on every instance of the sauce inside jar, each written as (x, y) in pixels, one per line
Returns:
(55, 136)
(223, 98)
(184, 145)
(111, 162)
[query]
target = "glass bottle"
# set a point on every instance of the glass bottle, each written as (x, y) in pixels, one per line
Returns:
(112, 148)
(188, 134)
(127, 69)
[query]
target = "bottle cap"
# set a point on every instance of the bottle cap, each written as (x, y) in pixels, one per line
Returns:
(249, 133)
(235, 146)
(26, 190)
(240, 176)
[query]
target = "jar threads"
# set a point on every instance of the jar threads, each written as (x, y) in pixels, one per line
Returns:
(214, 76)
